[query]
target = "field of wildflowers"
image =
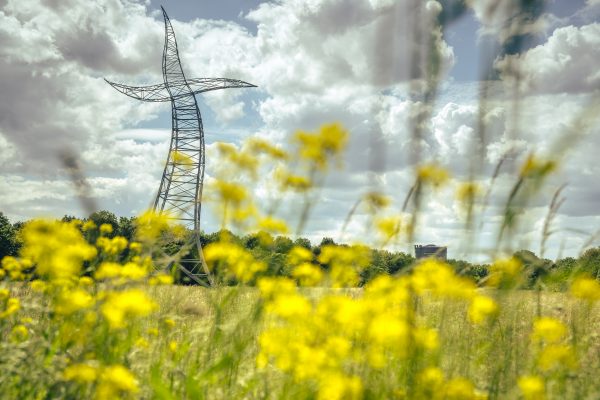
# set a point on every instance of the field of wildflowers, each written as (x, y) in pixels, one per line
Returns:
(86, 314)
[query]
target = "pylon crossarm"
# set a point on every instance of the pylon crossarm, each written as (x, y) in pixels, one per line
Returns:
(179, 89)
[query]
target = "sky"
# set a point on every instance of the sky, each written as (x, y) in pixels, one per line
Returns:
(314, 62)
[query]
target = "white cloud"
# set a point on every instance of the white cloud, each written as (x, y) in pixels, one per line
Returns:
(567, 62)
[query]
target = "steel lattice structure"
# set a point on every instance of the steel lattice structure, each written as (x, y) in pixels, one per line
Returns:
(180, 191)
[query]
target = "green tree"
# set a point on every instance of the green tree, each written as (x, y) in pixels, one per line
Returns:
(126, 227)
(589, 262)
(8, 240)
(303, 242)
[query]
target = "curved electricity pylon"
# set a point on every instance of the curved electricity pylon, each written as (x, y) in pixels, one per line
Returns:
(180, 191)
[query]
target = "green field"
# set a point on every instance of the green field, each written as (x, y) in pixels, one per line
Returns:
(203, 343)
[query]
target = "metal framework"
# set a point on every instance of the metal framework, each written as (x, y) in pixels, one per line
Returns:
(180, 191)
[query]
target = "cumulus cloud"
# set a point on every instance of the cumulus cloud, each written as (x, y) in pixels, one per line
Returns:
(565, 63)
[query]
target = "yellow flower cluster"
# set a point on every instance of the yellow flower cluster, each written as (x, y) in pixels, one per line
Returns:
(326, 340)
(586, 288)
(554, 353)
(232, 259)
(345, 263)
(536, 167)
(8, 305)
(119, 307)
(113, 381)
(318, 147)
(505, 273)
(432, 174)
(112, 246)
(57, 249)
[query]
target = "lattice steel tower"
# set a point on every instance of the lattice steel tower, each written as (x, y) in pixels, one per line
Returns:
(180, 191)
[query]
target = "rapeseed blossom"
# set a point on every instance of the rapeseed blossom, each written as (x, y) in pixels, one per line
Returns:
(505, 273)
(235, 260)
(57, 249)
(114, 381)
(585, 288)
(532, 387)
(537, 167)
(481, 309)
(119, 307)
(549, 330)
(432, 174)
(317, 148)
(70, 301)
(82, 373)
(556, 356)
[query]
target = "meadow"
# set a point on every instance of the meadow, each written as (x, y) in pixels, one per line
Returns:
(86, 313)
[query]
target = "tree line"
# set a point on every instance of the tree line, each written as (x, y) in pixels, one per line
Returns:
(273, 251)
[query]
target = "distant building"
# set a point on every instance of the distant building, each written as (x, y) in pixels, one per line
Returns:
(431, 250)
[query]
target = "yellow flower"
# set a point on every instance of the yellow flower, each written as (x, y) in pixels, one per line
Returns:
(271, 287)
(376, 201)
(115, 380)
(11, 264)
(586, 288)
(461, 389)
(169, 322)
(262, 146)
(549, 330)
(236, 260)
(121, 305)
(532, 387)
(12, 306)
(431, 377)
(426, 338)
(230, 192)
(161, 279)
(307, 274)
(273, 225)
(432, 174)
(535, 167)
(298, 255)
(317, 148)
(135, 247)
(505, 273)
(106, 229)
(336, 386)
(439, 278)
(389, 331)
(556, 356)
(72, 301)
(296, 183)
(108, 270)
(19, 333)
(389, 227)
(481, 309)
(345, 263)
(183, 159)
(467, 192)
(82, 373)
(142, 343)
(289, 306)
(38, 286)
(173, 346)
(150, 226)
(57, 248)
(4, 294)
(112, 246)
(86, 281)
(87, 226)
